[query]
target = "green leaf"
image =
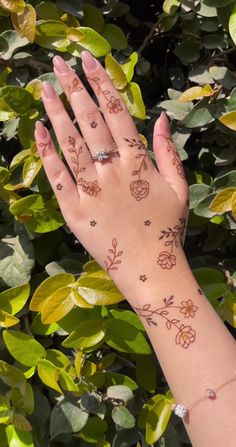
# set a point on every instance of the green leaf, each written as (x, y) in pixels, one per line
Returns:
(17, 99)
(171, 6)
(58, 305)
(30, 170)
(120, 392)
(197, 192)
(134, 101)
(218, 3)
(93, 18)
(88, 334)
(129, 317)
(24, 348)
(17, 260)
(155, 415)
(67, 383)
(115, 36)
(223, 76)
(48, 287)
(128, 67)
(92, 403)
(94, 430)
(98, 291)
(23, 401)
(7, 320)
(188, 50)
(13, 5)
(67, 417)
(10, 375)
(14, 41)
(122, 416)
(115, 72)
(224, 181)
(113, 378)
(52, 34)
(147, 381)
(200, 115)
(202, 208)
(12, 300)
(222, 202)
(87, 39)
(20, 422)
(18, 438)
(49, 374)
(176, 109)
(131, 341)
(38, 328)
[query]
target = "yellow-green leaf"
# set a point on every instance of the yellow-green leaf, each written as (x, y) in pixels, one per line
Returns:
(88, 334)
(7, 320)
(31, 168)
(25, 22)
(13, 5)
(58, 305)
(66, 382)
(11, 376)
(233, 205)
(158, 412)
(88, 39)
(98, 291)
(229, 120)
(196, 92)
(20, 422)
(49, 374)
(78, 362)
(232, 24)
(222, 201)
(48, 287)
(134, 101)
(171, 6)
(228, 310)
(93, 18)
(128, 67)
(35, 88)
(115, 36)
(52, 34)
(115, 72)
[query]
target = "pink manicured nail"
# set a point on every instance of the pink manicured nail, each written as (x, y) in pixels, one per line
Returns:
(163, 123)
(89, 63)
(60, 65)
(48, 90)
(40, 130)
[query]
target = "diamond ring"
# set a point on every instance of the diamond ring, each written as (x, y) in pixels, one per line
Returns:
(103, 155)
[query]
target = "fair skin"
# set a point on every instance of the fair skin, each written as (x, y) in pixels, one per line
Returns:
(132, 218)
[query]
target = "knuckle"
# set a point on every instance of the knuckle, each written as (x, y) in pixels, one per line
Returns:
(90, 115)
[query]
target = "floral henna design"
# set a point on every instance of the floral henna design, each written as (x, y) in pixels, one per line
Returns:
(176, 159)
(93, 223)
(167, 259)
(45, 147)
(59, 187)
(139, 188)
(112, 261)
(147, 223)
(93, 124)
(75, 87)
(186, 334)
(143, 278)
(90, 188)
(113, 103)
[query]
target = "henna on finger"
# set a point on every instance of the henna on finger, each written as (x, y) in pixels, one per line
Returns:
(93, 223)
(176, 161)
(139, 188)
(113, 104)
(76, 86)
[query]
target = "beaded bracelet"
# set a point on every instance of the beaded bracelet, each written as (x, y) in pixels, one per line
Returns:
(182, 410)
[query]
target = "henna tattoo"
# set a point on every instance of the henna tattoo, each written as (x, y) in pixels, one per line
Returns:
(186, 334)
(90, 188)
(93, 124)
(176, 161)
(147, 223)
(59, 187)
(93, 223)
(113, 104)
(75, 87)
(167, 259)
(45, 147)
(112, 260)
(143, 278)
(139, 188)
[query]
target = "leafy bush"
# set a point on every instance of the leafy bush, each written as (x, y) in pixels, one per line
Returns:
(67, 377)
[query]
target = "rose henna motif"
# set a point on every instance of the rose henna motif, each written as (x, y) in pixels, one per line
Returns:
(167, 259)
(186, 334)
(90, 188)
(113, 103)
(139, 188)
(112, 261)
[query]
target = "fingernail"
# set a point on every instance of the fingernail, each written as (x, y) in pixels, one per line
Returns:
(48, 90)
(60, 65)
(40, 129)
(163, 123)
(89, 63)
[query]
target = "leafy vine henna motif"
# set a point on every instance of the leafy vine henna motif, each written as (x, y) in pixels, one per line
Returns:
(112, 261)
(45, 147)
(76, 86)
(113, 103)
(139, 188)
(186, 334)
(167, 259)
(176, 159)
(90, 188)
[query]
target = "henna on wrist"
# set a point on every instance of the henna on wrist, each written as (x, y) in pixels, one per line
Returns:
(112, 261)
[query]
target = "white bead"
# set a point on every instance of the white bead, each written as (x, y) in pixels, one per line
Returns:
(180, 410)
(211, 393)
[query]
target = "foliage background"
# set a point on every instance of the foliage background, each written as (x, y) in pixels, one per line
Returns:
(67, 377)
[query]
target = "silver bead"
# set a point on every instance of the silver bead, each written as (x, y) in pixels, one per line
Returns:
(211, 394)
(180, 410)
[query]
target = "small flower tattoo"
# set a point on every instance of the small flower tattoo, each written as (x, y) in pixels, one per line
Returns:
(147, 222)
(93, 124)
(143, 278)
(59, 187)
(93, 223)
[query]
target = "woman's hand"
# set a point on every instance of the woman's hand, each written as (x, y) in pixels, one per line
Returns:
(130, 216)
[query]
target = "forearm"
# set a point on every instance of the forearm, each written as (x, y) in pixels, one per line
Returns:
(205, 358)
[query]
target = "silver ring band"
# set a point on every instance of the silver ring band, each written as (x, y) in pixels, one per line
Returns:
(103, 155)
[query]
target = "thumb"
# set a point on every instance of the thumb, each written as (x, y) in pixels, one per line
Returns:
(167, 158)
